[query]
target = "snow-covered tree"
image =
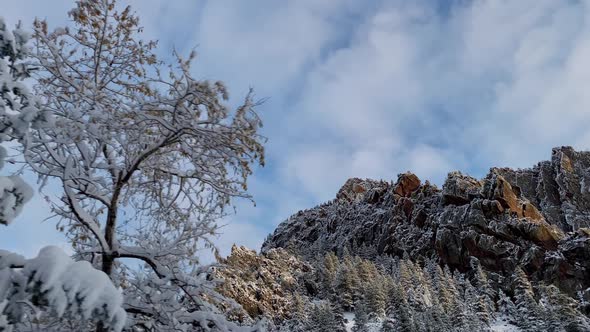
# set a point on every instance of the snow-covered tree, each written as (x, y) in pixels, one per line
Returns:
(388, 325)
(406, 272)
(528, 310)
(445, 297)
(50, 286)
(485, 291)
(328, 271)
(376, 296)
(476, 312)
(19, 111)
(399, 310)
(361, 317)
(298, 307)
(347, 283)
(148, 157)
(435, 311)
(506, 307)
(450, 297)
(561, 311)
(323, 319)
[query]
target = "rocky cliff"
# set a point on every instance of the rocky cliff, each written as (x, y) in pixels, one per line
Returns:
(535, 218)
(264, 285)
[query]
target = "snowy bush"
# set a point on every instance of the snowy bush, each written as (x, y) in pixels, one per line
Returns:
(58, 285)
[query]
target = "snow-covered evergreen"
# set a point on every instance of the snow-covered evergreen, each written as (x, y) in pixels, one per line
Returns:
(412, 297)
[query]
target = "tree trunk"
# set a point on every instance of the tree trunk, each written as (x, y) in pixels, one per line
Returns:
(101, 328)
(108, 258)
(107, 264)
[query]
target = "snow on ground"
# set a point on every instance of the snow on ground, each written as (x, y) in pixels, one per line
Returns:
(502, 325)
(374, 326)
(349, 321)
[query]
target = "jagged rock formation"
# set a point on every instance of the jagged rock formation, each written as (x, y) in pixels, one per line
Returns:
(536, 218)
(356, 189)
(264, 285)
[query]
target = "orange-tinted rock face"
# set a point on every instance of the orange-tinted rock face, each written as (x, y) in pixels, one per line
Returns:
(358, 189)
(566, 162)
(531, 212)
(406, 184)
(506, 196)
(512, 200)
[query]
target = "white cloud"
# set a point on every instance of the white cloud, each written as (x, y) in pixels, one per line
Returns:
(266, 43)
(26, 10)
(492, 83)
(374, 89)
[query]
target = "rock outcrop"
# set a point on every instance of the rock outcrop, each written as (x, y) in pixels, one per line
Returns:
(406, 184)
(264, 285)
(356, 189)
(536, 218)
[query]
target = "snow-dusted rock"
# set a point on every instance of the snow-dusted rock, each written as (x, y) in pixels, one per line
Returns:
(507, 219)
(264, 285)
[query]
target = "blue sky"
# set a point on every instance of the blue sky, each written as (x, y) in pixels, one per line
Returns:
(369, 89)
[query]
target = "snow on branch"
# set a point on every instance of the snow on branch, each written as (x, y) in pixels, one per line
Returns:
(65, 287)
(149, 158)
(18, 112)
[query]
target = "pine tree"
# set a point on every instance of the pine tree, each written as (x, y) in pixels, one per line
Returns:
(445, 297)
(389, 325)
(435, 311)
(400, 310)
(561, 311)
(323, 319)
(476, 304)
(459, 280)
(315, 319)
(476, 312)
(439, 319)
(528, 310)
(484, 289)
(506, 307)
(298, 307)
(406, 271)
(347, 285)
(422, 289)
(361, 317)
(418, 320)
(457, 310)
(376, 297)
(366, 270)
(330, 267)
(387, 263)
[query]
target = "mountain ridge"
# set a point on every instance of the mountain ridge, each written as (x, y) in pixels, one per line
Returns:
(535, 218)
